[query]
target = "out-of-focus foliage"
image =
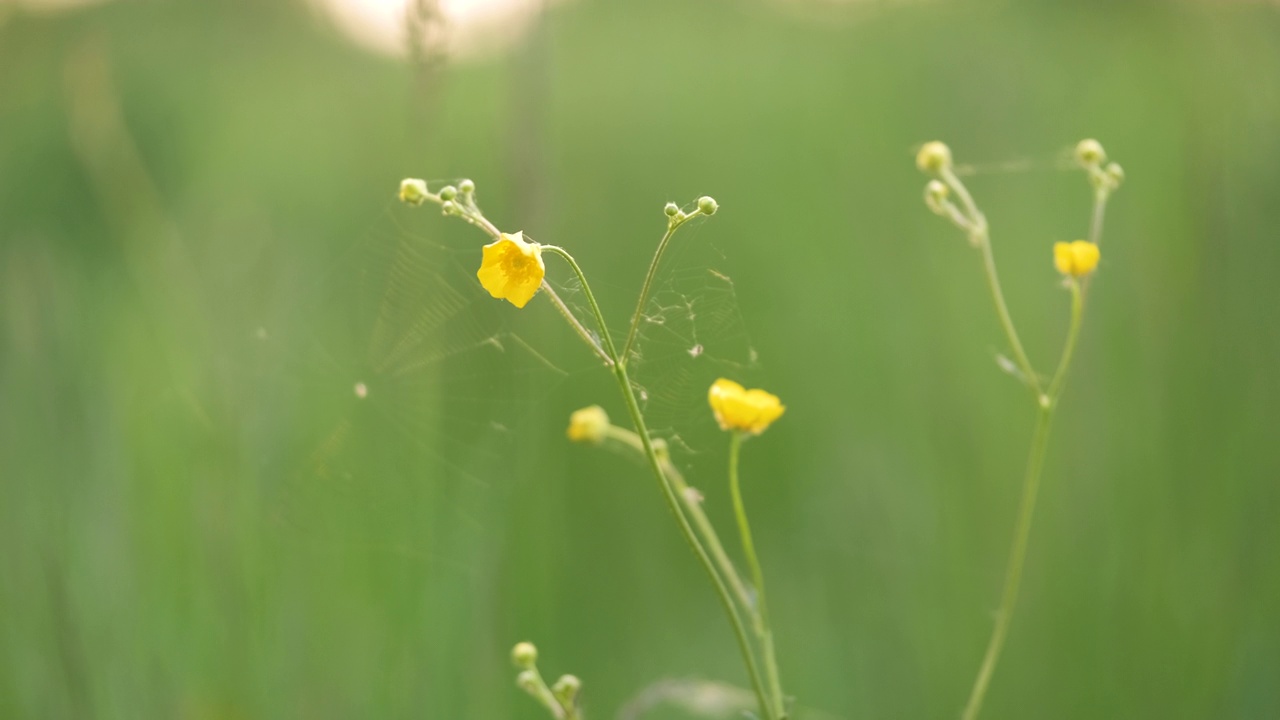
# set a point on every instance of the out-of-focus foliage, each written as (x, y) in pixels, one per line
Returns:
(201, 516)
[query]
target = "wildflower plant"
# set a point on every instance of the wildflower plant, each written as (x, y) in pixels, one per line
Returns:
(513, 268)
(1076, 260)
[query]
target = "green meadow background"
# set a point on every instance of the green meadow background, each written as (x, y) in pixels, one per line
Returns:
(200, 256)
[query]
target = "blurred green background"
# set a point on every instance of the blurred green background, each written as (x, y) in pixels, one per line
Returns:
(199, 257)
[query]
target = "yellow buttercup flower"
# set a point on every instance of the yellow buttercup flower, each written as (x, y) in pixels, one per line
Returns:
(590, 424)
(1077, 258)
(737, 408)
(512, 269)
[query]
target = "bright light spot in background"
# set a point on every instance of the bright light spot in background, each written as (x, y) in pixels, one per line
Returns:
(48, 5)
(463, 28)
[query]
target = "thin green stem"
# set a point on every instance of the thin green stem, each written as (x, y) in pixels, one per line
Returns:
(1026, 508)
(1100, 197)
(645, 289)
(673, 504)
(591, 299)
(1013, 576)
(981, 236)
(573, 321)
(1069, 349)
(693, 506)
(763, 628)
(668, 493)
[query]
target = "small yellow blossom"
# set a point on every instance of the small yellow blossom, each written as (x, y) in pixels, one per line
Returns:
(1077, 258)
(512, 269)
(737, 408)
(590, 424)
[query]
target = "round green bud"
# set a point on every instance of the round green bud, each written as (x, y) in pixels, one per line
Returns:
(566, 689)
(934, 157)
(527, 681)
(466, 187)
(936, 192)
(449, 207)
(448, 192)
(671, 210)
(1115, 174)
(1089, 153)
(524, 655)
(707, 205)
(413, 191)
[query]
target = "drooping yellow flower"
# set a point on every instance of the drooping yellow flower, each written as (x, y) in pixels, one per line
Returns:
(1077, 258)
(737, 408)
(590, 424)
(512, 269)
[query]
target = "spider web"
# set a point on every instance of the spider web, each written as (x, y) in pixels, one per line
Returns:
(416, 386)
(691, 333)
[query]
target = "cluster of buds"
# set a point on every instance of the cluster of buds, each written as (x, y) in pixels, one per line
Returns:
(561, 699)
(676, 217)
(455, 200)
(1104, 176)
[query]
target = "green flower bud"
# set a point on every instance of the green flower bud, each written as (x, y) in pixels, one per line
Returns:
(524, 655)
(448, 192)
(707, 205)
(936, 193)
(1089, 153)
(671, 210)
(527, 681)
(1115, 174)
(449, 207)
(566, 690)
(413, 191)
(934, 157)
(466, 187)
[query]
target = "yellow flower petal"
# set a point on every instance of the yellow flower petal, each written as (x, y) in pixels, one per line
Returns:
(1077, 258)
(512, 269)
(737, 408)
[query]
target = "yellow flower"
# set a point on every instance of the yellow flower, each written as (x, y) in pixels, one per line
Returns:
(512, 269)
(737, 408)
(590, 424)
(1077, 258)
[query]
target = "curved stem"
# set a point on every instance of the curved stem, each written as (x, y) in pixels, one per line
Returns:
(696, 513)
(673, 503)
(1026, 508)
(763, 629)
(573, 321)
(645, 289)
(591, 298)
(1068, 350)
(1099, 210)
(982, 237)
(1013, 576)
(633, 407)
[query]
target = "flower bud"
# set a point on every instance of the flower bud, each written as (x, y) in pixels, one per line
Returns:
(413, 191)
(1090, 153)
(936, 193)
(527, 681)
(466, 187)
(934, 157)
(524, 655)
(566, 690)
(448, 192)
(707, 205)
(590, 424)
(671, 210)
(1115, 174)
